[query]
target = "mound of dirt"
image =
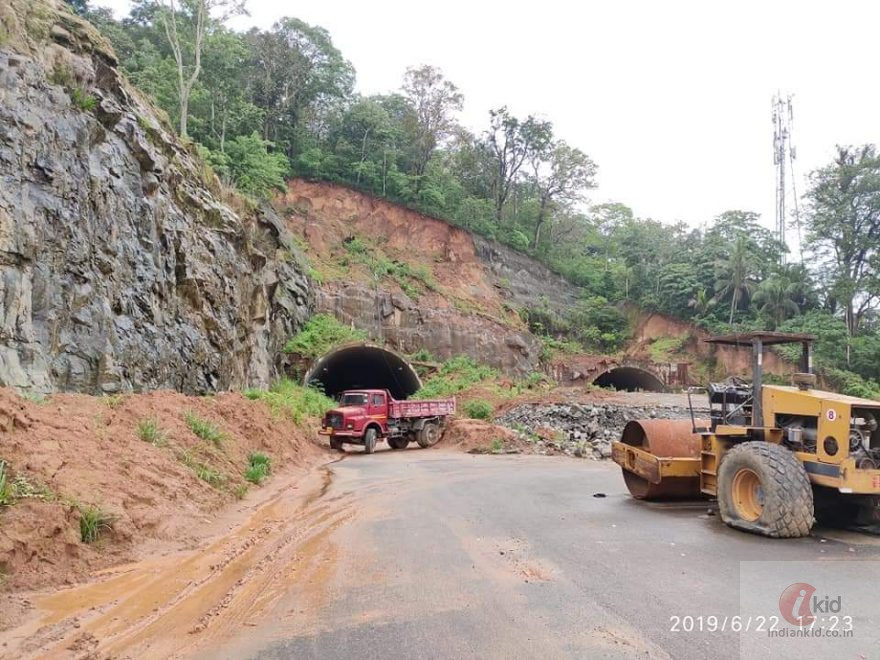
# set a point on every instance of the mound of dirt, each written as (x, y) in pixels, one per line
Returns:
(477, 436)
(136, 459)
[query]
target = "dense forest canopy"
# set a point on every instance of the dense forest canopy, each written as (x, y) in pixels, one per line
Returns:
(264, 105)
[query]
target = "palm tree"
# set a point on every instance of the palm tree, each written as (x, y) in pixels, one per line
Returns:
(734, 275)
(774, 299)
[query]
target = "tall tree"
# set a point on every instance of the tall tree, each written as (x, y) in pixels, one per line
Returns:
(735, 275)
(295, 72)
(435, 101)
(512, 143)
(843, 230)
(561, 175)
(185, 28)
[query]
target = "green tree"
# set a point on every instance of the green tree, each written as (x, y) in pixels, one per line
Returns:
(511, 143)
(561, 175)
(434, 101)
(248, 163)
(773, 299)
(186, 26)
(843, 231)
(735, 275)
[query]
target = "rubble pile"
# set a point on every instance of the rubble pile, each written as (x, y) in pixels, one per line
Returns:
(584, 430)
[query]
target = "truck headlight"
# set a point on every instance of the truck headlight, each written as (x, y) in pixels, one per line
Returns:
(349, 426)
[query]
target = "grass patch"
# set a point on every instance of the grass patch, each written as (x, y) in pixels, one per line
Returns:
(478, 409)
(414, 280)
(114, 401)
(240, 491)
(93, 521)
(455, 375)
(33, 397)
(292, 400)
(7, 496)
(204, 429)
(663, 349)
(83, 100)
(497, 446)
(203, 471)
(321, 333)
(259, 466)
(148, 430)
(24, 488)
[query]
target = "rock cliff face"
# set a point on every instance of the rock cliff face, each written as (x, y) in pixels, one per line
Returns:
(405, 326)
(120, 267)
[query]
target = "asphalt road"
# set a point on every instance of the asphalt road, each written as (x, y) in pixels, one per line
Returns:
(448, 556)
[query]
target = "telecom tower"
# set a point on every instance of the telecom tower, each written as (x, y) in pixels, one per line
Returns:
(784, 155)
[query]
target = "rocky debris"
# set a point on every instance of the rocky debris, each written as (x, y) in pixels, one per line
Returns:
(583, 430)
(120, 266)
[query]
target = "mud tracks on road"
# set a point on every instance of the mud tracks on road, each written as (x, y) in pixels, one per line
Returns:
(185, 602)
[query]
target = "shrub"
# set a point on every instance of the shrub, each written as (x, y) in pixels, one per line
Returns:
(321, 333)
(93, 521)
(83, 100)
(148, 430)
(204, 429)
(293, 400)
(478, 409)
(455, 375)
(259, 466)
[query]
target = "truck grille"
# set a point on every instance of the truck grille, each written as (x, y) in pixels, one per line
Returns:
(334, 420)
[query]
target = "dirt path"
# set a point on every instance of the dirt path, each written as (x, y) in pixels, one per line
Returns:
(173, 605)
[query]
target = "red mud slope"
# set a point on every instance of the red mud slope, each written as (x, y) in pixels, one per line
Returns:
(75, 451)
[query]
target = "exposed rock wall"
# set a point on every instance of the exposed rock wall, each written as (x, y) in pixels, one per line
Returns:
(120, 269)
(406, 327)
(528, 283)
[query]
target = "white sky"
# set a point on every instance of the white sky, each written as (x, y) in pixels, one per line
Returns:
(671, 98)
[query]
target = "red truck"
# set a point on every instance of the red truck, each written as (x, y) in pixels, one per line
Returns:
(366, 416)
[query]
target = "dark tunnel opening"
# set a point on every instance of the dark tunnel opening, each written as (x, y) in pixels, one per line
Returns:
(630, 379)
(364, 367)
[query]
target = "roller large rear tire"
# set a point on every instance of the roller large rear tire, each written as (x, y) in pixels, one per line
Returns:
(764, 489)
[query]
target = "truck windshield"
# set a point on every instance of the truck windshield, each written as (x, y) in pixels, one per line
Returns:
(353, 399)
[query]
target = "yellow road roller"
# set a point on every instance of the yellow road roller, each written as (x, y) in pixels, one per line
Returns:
(772, 456)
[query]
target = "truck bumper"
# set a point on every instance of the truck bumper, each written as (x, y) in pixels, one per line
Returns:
(345, 436)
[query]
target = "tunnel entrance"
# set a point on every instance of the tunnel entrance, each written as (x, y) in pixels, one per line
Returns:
(630, 379)
(364, 367)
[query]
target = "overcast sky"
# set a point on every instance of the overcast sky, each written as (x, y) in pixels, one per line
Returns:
(671, 98)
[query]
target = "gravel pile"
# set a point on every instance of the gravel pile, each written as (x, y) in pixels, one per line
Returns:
(583, 430)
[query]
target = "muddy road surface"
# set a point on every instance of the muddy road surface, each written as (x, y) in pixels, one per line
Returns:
(431, 554)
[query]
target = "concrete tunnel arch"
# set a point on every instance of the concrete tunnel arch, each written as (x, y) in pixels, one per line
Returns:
(630, 379)
(364, 366)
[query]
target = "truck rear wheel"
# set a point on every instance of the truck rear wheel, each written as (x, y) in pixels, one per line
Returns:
(370, 440)
(764, 489)
(428, 435)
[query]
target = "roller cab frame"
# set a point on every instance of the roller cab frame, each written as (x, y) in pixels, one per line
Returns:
(819, 441)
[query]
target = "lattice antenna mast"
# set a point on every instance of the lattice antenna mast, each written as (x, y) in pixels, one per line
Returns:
(784, 155)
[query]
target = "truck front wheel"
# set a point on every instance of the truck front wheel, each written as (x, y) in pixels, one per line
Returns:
(370, 440)
(428, 435)
(336, 443)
